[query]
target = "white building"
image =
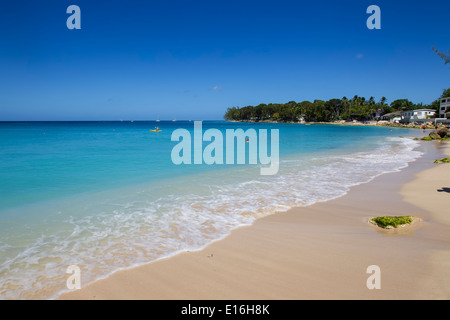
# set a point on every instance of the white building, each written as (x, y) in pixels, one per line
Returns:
(445, 104)
(419, 114)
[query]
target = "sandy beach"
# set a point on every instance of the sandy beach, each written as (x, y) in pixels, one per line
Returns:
(316, 252)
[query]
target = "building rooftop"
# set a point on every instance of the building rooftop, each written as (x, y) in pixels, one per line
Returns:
(392, 114)
(419, 110)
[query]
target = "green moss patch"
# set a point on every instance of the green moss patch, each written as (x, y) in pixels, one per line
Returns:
(386, 222)
(434, 138)
(445, 160)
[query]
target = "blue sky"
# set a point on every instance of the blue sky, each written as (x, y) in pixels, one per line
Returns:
(167, 59)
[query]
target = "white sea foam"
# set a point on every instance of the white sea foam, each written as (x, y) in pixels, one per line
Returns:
(144, 227)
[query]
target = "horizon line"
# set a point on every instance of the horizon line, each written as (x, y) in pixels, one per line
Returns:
(156, 120)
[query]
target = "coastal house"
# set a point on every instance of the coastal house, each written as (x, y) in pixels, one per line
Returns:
(376, 115)
(392, 117)
(444, 109)
(418, 114)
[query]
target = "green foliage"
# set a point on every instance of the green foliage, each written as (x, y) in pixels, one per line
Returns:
(437, 103)
(445, 93)
(445, 160)
(356, 108)
(445, 57)
(392, 221)
(403, 105)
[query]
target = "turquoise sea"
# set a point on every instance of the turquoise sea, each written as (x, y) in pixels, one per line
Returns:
(106, 196)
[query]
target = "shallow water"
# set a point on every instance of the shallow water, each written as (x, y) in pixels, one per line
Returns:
(106, 195)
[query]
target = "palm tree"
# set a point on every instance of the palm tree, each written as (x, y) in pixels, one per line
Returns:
(355, 101)
(363, 100)
(344, 102)
(442, 55)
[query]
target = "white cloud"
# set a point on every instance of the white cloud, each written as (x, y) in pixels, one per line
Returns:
(216, 88)
(359, 56)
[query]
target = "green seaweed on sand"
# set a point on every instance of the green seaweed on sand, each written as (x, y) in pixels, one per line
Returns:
(387, 221)
(444, 160)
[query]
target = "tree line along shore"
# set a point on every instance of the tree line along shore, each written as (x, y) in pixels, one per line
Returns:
(356, 109)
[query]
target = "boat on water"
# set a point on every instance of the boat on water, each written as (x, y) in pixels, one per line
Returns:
(157, 129)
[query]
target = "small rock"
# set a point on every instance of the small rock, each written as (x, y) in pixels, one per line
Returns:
(434, 135)
(443, 132)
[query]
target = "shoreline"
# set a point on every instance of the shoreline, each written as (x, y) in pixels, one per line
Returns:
(371, 123)
(322, 246)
